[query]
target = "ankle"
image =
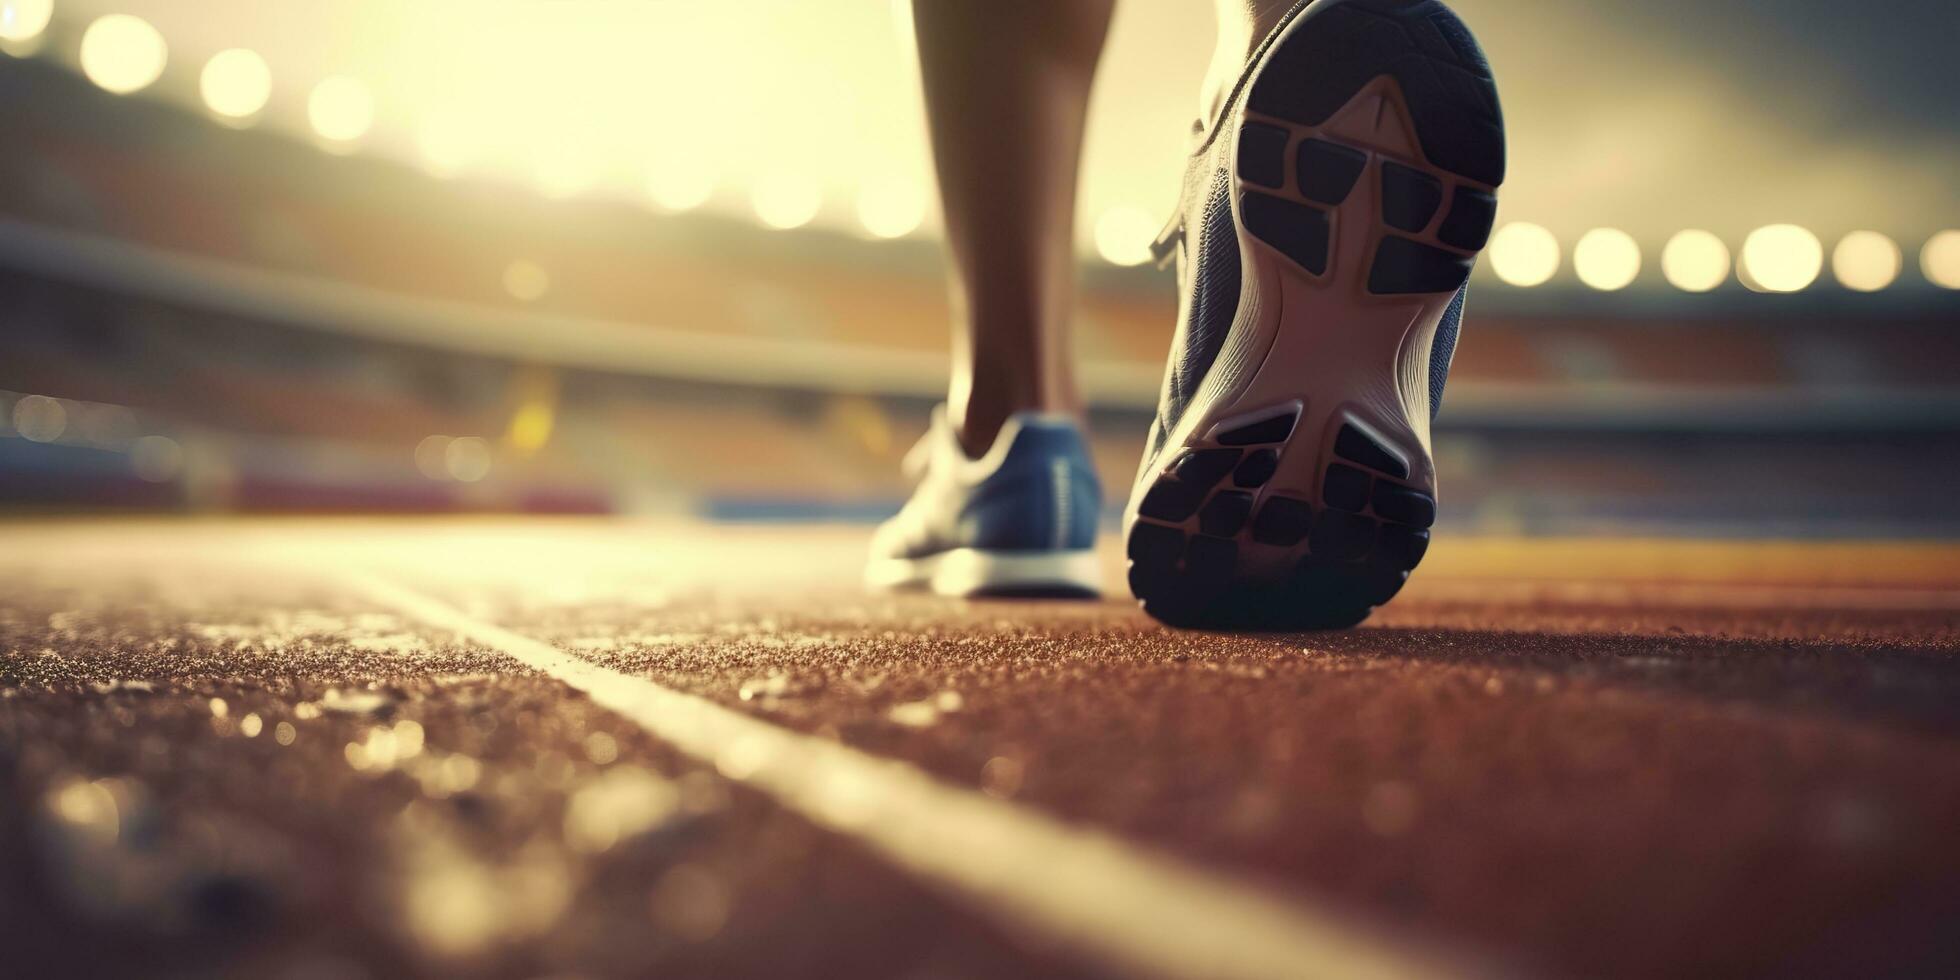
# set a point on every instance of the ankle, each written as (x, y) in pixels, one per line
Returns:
(978, 418)
(1242, 25)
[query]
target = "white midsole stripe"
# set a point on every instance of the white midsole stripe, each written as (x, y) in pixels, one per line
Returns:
(969, 571)
(1138, 910)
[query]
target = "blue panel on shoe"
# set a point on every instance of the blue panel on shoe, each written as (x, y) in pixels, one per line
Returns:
(1404, 506)
(1262, 154)
(1405, 266)
(1327, 171)
(1467, 226)
(1409, 197)
(1346, 488)
(1044, 495)
(1282, 521)
(1226, 513)
(1356, 446)
(1296, 230)
(1040, 495)
(1259, 466)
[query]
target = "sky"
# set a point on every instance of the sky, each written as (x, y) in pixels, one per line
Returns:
(1648, 116)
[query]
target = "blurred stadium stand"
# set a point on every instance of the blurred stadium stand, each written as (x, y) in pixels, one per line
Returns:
(202, 318)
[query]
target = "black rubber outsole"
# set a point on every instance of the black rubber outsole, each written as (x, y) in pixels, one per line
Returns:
(1054, 593)
(1362, 535)
(1349, 543)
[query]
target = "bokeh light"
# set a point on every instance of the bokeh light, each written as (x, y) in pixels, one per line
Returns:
(1695, 261)
(467, 459)
(157, 459)
(24, 20)
(1124, 234)
(105, 426)
(1940, 259)
(526, 280)
(566, 170)
(39, 418)
(1781, 258)
(431, 457)
(786, 200)
(892, 209)
(341, 109)
(446, 146)
(1524, 254)
(1866, 261)
(123, 54)
(680, 184)
(531, 425)
(236, 84)
(1606, 259)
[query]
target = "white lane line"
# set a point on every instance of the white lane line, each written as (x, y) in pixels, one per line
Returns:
(1142, 912)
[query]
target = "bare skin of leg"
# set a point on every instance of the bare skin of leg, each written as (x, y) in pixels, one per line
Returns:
(1006, 91)
(1242, 24)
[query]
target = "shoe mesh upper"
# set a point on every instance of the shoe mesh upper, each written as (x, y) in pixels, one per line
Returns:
(1444, 349)
(1214, 302)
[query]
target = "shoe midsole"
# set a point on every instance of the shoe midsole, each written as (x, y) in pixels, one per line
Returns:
(964, 571)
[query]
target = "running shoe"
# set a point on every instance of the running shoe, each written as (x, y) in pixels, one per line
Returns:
(1020, 520)
(1329, 222)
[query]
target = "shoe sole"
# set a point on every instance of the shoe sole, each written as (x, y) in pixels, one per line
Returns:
(974, 573)
(1364, 150)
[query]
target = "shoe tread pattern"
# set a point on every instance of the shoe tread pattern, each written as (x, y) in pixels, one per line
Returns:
(1314, 70)
(1360, 534)
(1442, 72)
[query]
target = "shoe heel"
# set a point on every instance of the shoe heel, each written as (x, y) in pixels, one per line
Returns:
(1228, 536)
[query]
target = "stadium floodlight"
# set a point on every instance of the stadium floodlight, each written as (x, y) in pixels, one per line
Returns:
(236, 84)
(1866, 261)
(1524, 254)
(786, 200)
(1940, 259)
(24, 20)
(123, 54)
(341, 109)
(1695, 261)
(1781, 258)
(1124, 233)
(1607, 259)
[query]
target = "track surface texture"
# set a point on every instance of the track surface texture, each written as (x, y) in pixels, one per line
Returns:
(371, 749)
